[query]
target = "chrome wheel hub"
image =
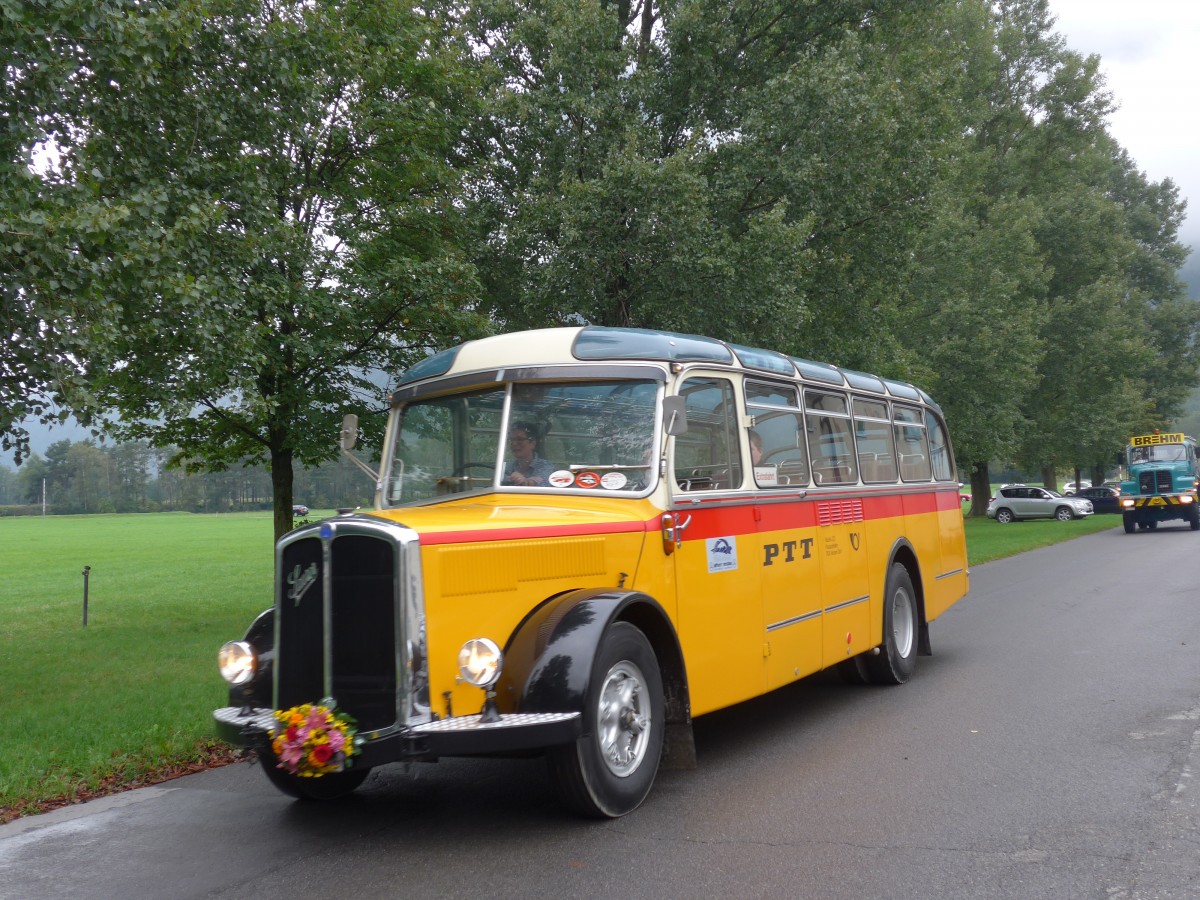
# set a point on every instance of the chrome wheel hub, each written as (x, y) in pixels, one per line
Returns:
(623, 719)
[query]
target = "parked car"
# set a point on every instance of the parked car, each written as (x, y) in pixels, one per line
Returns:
(1104, 499)
(299, 510)
(1074, 487)
(1025, 502)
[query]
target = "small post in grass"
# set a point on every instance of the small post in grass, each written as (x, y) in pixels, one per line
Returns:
(86, 569)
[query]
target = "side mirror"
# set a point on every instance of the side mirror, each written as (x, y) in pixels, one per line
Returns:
(349, 434)
(674, 415)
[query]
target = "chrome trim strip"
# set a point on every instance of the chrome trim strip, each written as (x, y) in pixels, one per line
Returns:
(795, 620)
(950, 574)
(791, 494)
(327, 540)
(848, 603)
(471, 723)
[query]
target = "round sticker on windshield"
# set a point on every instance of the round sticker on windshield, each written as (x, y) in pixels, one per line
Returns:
(613, 481)
(561, 478)
(587, 480)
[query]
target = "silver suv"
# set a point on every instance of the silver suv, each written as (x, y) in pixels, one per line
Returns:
(1020, 501)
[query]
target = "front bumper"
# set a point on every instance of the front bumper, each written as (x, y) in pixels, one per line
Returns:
(457, 736)
(1159, 507)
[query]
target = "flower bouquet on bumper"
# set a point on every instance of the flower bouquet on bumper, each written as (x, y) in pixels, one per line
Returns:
(313, 740)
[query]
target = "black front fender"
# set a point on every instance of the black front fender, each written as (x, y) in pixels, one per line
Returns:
(549, 659)
(260, 691)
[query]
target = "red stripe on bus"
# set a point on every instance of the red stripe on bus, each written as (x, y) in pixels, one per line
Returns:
(725, 517)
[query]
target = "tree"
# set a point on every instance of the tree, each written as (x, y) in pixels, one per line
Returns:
(747, 170)
(272, 228)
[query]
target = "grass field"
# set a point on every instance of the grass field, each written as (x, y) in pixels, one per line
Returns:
(134, 690)
(131, 695)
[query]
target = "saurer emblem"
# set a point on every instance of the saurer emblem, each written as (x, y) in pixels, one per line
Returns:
(299, 582)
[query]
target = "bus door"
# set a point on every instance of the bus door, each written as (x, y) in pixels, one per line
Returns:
(840, 541)
(717, 568)
(791, 575)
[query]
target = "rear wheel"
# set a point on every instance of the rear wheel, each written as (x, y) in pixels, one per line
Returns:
(609, 771)
(1004, 516)
(333, 786)
(1063, 514)
(897, 658)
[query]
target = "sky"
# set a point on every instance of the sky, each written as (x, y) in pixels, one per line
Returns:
(1149, 54)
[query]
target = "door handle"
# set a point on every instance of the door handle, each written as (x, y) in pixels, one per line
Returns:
(672, 531)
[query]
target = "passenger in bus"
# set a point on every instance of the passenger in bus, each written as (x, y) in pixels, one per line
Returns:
(756, 447)
(527, 468)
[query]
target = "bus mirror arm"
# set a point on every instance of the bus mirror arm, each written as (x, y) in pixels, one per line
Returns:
(347, 438)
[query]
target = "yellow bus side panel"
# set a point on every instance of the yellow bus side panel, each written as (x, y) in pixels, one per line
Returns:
(485, 589)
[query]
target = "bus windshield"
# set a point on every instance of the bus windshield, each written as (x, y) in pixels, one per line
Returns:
(587, 435)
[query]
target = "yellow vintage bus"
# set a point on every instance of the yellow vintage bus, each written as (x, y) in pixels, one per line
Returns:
(585, 537)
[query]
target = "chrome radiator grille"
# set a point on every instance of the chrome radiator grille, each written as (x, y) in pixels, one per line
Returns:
(337, 632)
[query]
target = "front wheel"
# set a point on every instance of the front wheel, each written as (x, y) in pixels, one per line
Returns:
(333, 786)
(609, 771)
(897, 658)
(1063, 514)
(1129, 523)
(1194, 518)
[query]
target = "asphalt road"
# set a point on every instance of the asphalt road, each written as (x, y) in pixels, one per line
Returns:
(1049, 748)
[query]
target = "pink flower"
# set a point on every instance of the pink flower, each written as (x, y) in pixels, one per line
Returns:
(316, 719)
(291, 756)
(337, 741)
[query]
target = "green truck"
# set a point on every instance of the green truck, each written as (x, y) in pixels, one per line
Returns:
(1161, 481)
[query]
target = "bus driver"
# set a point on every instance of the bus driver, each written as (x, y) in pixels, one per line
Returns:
(527, 469)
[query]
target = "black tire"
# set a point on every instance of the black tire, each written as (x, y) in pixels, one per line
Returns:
(609, 771)
(1152, 526)
(897, 658)
(1064, 514)
(1004, 516)
(333, 786)
(1129, 523)
(1194, 518)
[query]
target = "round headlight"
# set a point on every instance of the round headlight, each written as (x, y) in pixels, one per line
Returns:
(479, 662)
(237, 662)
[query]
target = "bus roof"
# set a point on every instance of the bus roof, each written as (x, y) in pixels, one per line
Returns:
(595, 343)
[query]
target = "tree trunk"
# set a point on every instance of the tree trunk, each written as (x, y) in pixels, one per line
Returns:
(981, 489)
(281, 486)
(1049, 478)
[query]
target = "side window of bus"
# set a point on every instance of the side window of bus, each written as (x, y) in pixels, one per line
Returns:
(911, 444)
(939, 449)
(779, 430)
(830, 440)
(706, 455)
(873, 437)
